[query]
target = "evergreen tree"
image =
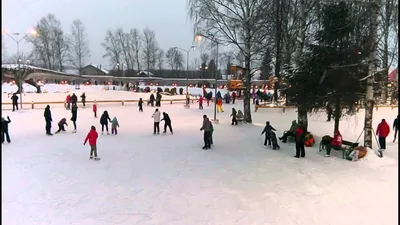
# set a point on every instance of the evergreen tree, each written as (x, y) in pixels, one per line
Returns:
(266, 68)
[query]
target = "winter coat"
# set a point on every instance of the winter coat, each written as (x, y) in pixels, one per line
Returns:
(47, 114)
(94, 107)
(151, 98)
(62, 122)
(83, 97)
(383, 129)
(74, 112)
(293, 126)
(233, 95)
(114, 123)
(140, 103)
(156, 116)
(300, 133)
(74, 99)
(206, 125)
(92, 137)
(268, 128)
(68, 99)
(396, 124)
(104, 118)
(166, 118)
(4, 124)
(14, 99)
(337, 139)
(219, 101)
(201, 100)
(234, 113)
(158, 98)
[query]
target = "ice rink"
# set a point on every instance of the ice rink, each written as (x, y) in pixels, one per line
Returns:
(168, 179)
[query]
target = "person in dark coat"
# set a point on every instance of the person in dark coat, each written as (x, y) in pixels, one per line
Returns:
(289, 133)
(83, 97)
(74, 99)
(61, 124)
(167, 123)
(4, 129)
(74, 112)
(395, 127)
(48, 119)
(207, 132)
(152, 100)
(14, 99)
(300, 138)
(140, 104)
(104, 119)
(272, 136)
(329, 111)
(233, 115)
(267, 130)
(158, 100)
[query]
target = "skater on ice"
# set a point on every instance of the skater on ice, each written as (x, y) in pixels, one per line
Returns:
(74, 99)
(156, 117)
(233, 115)
(104, 119)
(4, 130)
(140, 104)
(14, 99)
(395, 127)
(300, 139)
(95, 108)
(233, 97)
(206, 127)
(74, 112)
(382, 131)
(201, 102)
(167, 123)
(48, 119)
(275, 145)
(114, 125)
(68, 101)
(83, 97)
(61, 124)
(92, 138)
(267, 130)
(151, 100)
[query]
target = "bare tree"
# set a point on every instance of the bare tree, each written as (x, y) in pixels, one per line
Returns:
(13, 59)
(112, 47)
(123, 41)
(204, 57)
(160, 59)
(79, 51)
(150, 48)
(135, 44)
(173, 59)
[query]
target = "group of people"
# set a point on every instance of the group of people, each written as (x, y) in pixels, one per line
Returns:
(157, 119)
(73, 100)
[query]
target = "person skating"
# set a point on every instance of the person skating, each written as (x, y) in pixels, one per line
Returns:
(48, 119)
(68, 101)
(74, 112)
(206, 127)
(74, 99)
(92, 138)
(104, 119)
(61, 124)
(233, 97)
(167, 123)
(83, 97)
(290, 133)
(329, 112)
(152, 98)
(114, 125)
(267, 130)
(156, 116)
(395, 127)
(140, 104)
(201, 102)
(95, 108)
(382, 131)
(158, 99)
(4, 130)
(300, 138)
(14, 99)
(233, 115)
(219, 105)
(272, 136)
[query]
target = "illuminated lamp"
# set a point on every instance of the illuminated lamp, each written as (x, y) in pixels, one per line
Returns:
(190, 85)
(204, 86)
(151, 84)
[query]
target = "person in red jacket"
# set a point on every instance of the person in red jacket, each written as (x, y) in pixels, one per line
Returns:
(68, 100)
(335, 143)
(92, 138)
(61, 124)
(201, 102)
(382, 131)
(233, 97)
(95, 108)
(300, 138)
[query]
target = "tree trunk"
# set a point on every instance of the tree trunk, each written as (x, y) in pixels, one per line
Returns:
(302, 116)
(369, 105)
(337, 113)
(278, 50)
(247, 88)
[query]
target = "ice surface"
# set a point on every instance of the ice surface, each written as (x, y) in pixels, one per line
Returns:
(169, 179)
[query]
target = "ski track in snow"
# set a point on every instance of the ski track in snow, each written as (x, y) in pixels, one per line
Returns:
(169, 179)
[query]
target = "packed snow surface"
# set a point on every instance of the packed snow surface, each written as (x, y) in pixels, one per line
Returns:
(168, 179)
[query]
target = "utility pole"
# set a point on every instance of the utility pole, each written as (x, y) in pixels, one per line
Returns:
(369, 95)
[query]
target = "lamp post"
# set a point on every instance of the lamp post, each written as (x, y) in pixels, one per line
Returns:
(213, 39)
(187, 71)
(20, 74)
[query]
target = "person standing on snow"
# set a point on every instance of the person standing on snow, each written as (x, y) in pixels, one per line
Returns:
(61, 124)
(74, 111)
(156, 115)
(4, 129)
(95, 108)
(74, 99)
(233, 115)
(167, 123)
(151, 100)
(395, 127)
(48, 119)
(206, 127)
(233, 97)
(382, 131)
(267, 130)
(201, 102)
(140, 104)
(92, 138)
(68, 101)
(14, 99)
(83, 97)
(300, 138)
(104, 119)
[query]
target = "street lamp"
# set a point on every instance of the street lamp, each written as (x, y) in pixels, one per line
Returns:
(17, 38)
(198, 38)
(187, 71)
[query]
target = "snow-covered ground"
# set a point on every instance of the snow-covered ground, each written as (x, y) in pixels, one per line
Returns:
(169, 179)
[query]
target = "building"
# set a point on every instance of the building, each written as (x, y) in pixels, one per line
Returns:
(93, 69)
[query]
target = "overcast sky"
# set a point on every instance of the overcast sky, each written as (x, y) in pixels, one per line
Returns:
(167, 17)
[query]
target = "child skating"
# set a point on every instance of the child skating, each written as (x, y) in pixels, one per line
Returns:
(114, 125)
(95, 108)
(140, 104)
(61, 124)
(92, 138)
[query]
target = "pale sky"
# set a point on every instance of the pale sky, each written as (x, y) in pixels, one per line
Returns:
(168, 18)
